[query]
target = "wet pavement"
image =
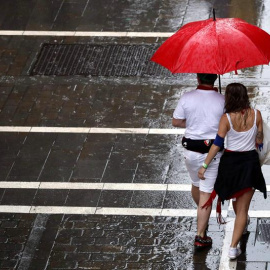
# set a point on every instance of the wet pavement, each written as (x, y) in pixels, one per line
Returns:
(110, 190)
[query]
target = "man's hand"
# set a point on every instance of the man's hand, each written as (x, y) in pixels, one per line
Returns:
(201, 173)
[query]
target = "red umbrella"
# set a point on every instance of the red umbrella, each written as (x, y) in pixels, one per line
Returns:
(214, 46)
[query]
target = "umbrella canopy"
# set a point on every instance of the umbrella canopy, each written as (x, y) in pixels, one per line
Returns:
(214, 46)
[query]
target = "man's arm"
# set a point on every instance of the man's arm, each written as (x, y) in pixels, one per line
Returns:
(181, 123)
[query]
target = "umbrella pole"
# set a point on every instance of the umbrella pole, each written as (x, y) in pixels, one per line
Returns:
(219, 82)
(214, 14)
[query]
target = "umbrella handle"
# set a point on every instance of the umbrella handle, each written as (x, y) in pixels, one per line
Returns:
(214, 14)
(219, 83)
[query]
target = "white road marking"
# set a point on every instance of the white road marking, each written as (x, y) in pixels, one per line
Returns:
(15, 208)
(81, 210)
(259, 214)
(225, 263)
(62, 185)
(99, 210)
(179, 187)
(11, 32)
(82, 185)
(107, 186)
(135, 186)
(62, 210)
(91, 130)
(186, 212)
(85, 33)
(166, 131)
(28, 185)
(120, 130)
(128, 211)
(60, 129)
(14, 129)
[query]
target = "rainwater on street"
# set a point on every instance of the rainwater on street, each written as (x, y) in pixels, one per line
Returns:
(92, 174)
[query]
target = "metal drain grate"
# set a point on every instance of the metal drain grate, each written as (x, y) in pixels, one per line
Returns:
(263, 232)
(97, 60)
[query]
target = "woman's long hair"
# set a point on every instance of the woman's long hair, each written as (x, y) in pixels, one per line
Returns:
(236, 98)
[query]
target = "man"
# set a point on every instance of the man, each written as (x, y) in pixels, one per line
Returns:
(199, 111)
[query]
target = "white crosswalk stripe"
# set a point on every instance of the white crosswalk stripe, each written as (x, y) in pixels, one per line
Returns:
(105, 186)
(115, 211)
(84, 33)
(92, 130)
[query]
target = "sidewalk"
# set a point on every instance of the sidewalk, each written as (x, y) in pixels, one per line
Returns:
(92, 173)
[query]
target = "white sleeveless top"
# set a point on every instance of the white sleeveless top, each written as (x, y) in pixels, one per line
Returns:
(243, 140)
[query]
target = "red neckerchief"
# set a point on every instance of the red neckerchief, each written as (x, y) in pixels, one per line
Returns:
(204, 87)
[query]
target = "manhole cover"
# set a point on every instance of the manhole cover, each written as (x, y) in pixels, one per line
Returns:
(263, 232)
(97, 60)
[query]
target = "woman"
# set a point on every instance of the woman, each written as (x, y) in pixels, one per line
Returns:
(239, 172)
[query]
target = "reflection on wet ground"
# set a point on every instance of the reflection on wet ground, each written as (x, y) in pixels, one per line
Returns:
(58, 226)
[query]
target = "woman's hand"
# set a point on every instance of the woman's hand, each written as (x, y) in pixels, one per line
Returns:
(201, 173)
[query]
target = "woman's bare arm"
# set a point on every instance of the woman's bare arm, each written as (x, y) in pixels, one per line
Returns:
(222, 131)
(259, 123)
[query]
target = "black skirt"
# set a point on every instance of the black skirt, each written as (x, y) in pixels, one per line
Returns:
(238, 171)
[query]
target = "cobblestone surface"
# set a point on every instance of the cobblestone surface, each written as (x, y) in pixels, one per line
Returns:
(115, 242)
(107, 242)
(14, 232)
(56, 241)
